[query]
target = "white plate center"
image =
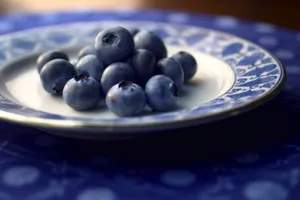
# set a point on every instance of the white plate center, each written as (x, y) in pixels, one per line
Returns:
(22, 84)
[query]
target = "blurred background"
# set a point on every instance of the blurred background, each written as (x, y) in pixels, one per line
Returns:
(281, 13)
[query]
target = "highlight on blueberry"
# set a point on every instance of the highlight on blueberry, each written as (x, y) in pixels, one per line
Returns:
(161, 93)
(150, 41)
(127, 68)
(55, 74)
(133, 31)
(188, 64)
(126, 99)
(90, 65)
(143, 63)
(115, 73)
(44, 58)
(82, 93)
(114, 45)
(87, 50)
(172, 69)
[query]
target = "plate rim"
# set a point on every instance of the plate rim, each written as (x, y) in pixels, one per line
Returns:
(71, 124)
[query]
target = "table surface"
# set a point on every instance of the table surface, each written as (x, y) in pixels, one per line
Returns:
(281, 13)
(225, 160)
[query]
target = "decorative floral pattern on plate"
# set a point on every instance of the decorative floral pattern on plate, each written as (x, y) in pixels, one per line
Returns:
(258, 74)
(254, 156)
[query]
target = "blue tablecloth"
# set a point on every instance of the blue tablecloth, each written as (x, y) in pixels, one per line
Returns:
(253, 156)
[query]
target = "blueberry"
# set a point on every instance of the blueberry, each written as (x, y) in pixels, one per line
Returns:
(90, 65)
(161, 93)
(115, 73)
(114, 45)
(48, 56)
(172, 69)
(143, 63)
(55, 74)
(188, 63)
(87, 50)
(133, 31)
(149, 40)
(126, 99)
(82, 93)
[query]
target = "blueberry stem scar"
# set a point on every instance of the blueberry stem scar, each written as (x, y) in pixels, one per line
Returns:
(174, 90)
(110, 39)
(81, 77)
(123, 83)
(56, 90)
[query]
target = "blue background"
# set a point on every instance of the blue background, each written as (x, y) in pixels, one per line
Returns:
(253, 156)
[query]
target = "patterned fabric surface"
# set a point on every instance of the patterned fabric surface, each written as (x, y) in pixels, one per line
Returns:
(253, 156)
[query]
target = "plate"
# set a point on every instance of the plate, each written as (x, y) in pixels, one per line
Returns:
(234, 75)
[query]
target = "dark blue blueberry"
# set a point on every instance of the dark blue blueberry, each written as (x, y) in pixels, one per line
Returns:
(82, 93)
(149, 40)
(143, 63)
(133, 31)
(115, 73)
(48, 56)
(87, 50)
(188, 64)
(161, 93)
(55, 74)
(114, 45)
(172, 69)
(90, 65)
(126, 99)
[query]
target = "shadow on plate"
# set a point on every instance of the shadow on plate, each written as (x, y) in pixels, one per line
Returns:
(190, 86)
(255, 134)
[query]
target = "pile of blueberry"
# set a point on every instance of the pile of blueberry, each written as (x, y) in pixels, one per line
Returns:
(128, 68)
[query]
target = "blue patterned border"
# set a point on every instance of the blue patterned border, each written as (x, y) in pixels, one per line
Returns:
(247, 157)
(258, 74)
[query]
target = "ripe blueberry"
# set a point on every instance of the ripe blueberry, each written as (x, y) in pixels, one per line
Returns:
(48, 56)
(126, 99)
(150, 41)
(55, 74)
(172, 69)
(133, 31)
(87, 50)
(114, 45)
(90, 65)
(82, 93)
(115, 73)
(161, 93)
(188, 63)
(143, 63)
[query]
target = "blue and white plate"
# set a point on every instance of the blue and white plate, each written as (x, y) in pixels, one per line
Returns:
(233, 76)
